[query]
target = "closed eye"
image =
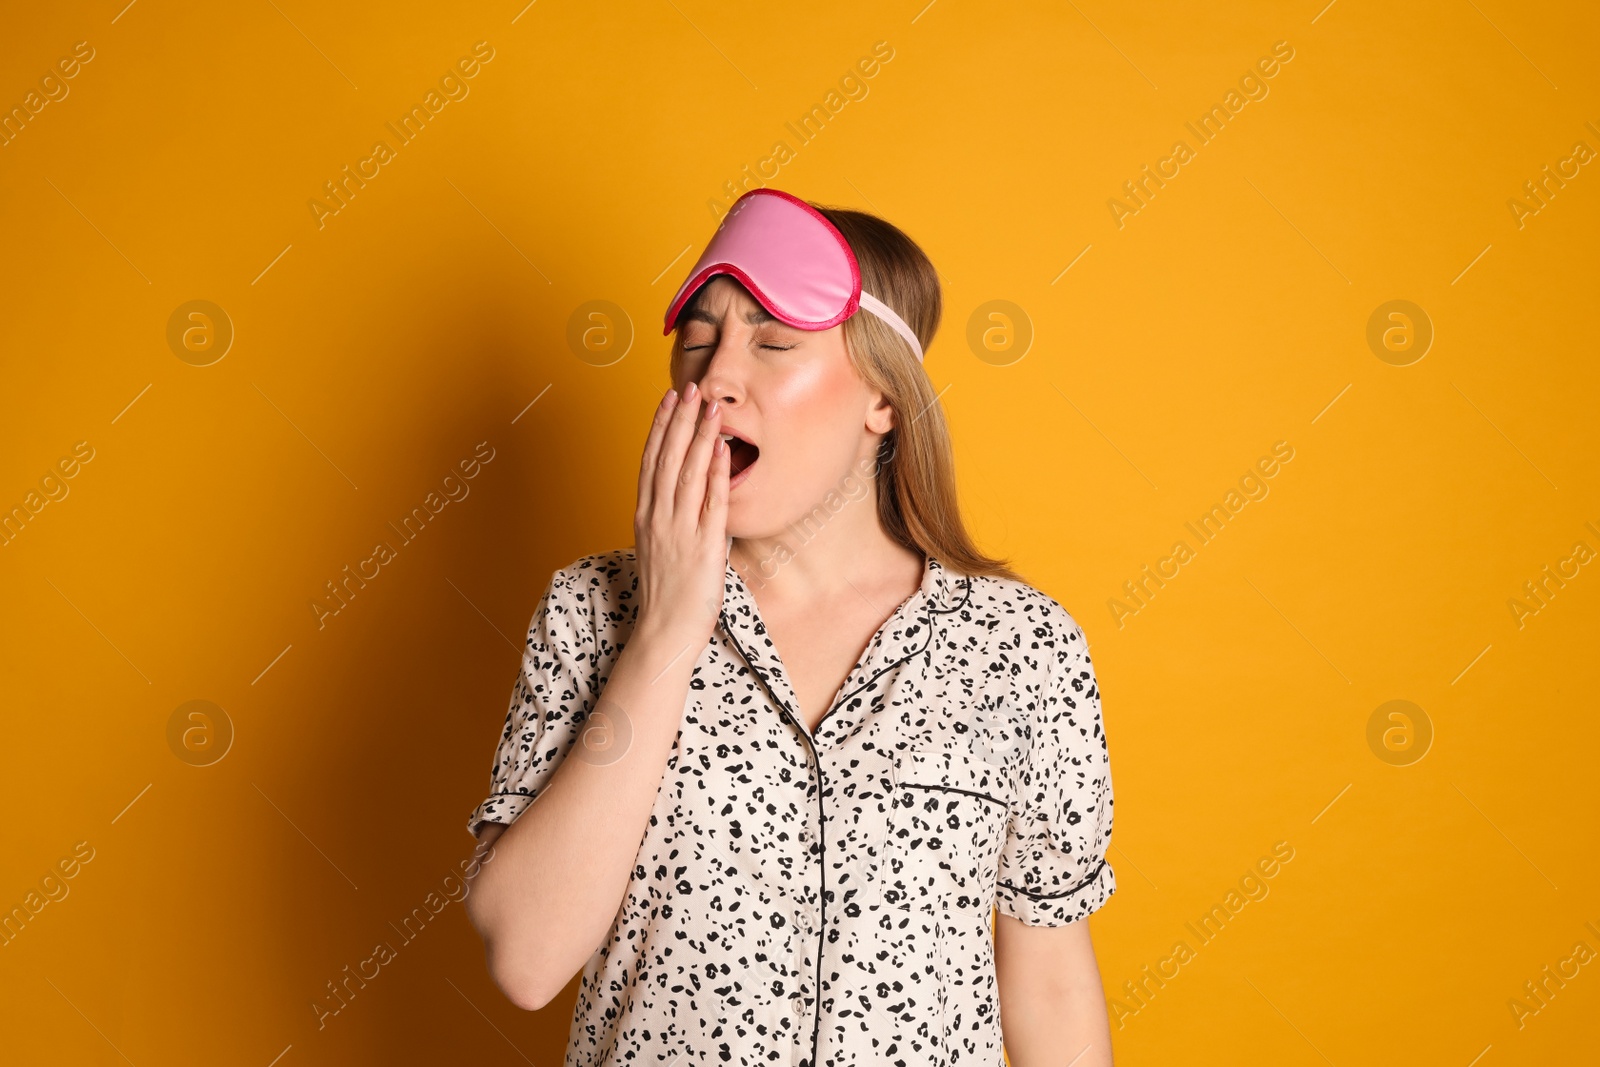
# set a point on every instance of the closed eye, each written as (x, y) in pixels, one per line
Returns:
(770, 348)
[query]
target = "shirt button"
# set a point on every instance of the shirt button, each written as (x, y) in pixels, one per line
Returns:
(797, 1005)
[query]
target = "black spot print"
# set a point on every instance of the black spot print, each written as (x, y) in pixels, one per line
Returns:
(824, 898)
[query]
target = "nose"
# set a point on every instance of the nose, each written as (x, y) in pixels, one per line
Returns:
(722, 379)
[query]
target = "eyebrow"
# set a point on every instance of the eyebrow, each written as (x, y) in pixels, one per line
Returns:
(755, 317)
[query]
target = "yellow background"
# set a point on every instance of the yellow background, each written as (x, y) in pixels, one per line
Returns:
(373, 353)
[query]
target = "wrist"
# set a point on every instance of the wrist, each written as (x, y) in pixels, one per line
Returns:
(659, 647)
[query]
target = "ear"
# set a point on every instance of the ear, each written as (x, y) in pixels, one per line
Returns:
(880, 417)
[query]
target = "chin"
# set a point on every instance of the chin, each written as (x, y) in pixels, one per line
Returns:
(744, 526)
(752, 519)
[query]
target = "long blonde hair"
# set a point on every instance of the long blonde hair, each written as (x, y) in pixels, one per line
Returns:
(916, 475)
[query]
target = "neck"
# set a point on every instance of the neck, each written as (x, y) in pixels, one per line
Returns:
(824, 554)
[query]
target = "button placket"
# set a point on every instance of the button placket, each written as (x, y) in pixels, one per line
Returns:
(808, 918)
(802, 1030)
(802, 1024)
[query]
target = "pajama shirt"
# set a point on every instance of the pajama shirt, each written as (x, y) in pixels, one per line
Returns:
(823, 898)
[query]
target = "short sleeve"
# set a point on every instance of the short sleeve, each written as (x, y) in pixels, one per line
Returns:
(554, 692)
(1053, 868)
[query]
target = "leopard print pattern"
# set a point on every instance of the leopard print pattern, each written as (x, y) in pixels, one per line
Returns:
(809, 898)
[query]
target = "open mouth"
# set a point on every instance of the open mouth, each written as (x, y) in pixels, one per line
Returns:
(742, 455)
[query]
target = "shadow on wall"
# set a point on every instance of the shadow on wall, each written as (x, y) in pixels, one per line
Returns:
(410, 691)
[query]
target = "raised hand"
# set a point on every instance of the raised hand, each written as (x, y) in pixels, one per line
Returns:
(680, 525)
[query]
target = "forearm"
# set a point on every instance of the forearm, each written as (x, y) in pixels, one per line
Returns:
(1057, 1027)
(562, 868)
(1052, 1006)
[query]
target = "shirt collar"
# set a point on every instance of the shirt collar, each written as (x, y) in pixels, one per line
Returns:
(906, 633)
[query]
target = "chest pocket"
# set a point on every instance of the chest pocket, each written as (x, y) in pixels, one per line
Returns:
(947, 820)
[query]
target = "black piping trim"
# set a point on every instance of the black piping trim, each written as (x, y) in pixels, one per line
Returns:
(816, 766)
(822, 831)
(953, 789)
(1051, 896)
(927, 620)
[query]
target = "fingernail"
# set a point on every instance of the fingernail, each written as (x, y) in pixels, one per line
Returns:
(689, 392)
(712, 410)
(671, 395)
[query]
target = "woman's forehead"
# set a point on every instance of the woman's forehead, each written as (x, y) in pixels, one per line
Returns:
(719, 291)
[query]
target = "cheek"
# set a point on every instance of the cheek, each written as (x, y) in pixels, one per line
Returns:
(817, 409)
(809, 390)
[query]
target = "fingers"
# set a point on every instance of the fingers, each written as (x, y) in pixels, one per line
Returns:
(714, 517)
(684, 470)
(652, 451)
(669, 461)
(691, 492)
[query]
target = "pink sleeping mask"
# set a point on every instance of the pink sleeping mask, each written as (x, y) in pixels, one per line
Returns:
(793, 260)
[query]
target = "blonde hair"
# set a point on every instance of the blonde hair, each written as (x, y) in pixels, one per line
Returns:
(916, 478)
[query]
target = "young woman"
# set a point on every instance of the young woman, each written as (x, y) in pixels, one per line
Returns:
(768, 775)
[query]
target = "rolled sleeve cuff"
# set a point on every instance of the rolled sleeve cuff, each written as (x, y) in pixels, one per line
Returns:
(498, 807)
(1059, 907)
